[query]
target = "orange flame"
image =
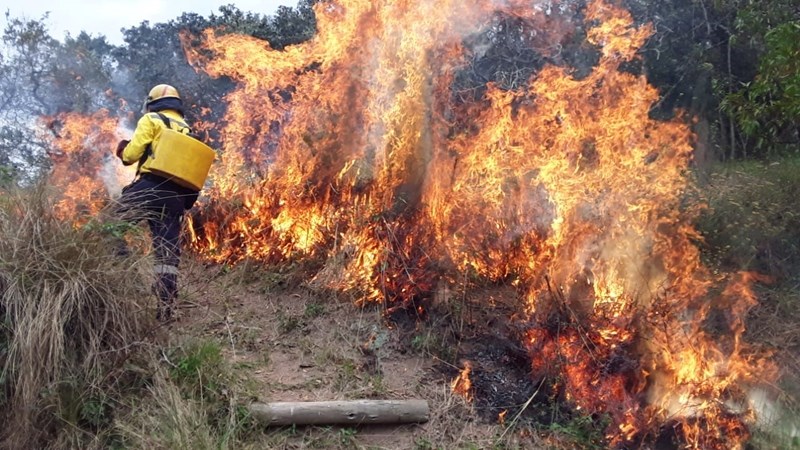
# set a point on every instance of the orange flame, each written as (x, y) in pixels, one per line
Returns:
(84, 171)
(462, 385)
(354, 147)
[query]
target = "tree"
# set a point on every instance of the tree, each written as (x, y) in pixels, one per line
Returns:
(81, 72)
(768, 107)
(24, 80)
(41, 77)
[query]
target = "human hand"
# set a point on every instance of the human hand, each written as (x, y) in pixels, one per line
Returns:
(121, 147)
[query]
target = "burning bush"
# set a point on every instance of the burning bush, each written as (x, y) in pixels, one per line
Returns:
(359, 149)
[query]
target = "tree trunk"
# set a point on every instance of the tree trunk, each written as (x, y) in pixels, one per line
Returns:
(355, 412)
(730, 91)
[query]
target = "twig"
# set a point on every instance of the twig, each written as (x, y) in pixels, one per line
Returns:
(519, 414)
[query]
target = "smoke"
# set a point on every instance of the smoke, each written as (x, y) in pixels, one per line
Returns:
(770, 415)
(114, 175)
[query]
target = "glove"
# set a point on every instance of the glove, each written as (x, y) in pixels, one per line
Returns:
(121, 147)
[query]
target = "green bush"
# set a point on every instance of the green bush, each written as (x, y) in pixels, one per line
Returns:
(768, 107)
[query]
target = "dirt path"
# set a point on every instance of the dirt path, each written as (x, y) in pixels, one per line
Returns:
(295, 344)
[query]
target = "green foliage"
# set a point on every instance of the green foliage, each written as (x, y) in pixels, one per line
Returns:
(288, 323)
(198, 368)
(585, 432)
(735, 57)
(768, 108)
(288, 26)
(80, 405)
(314, 309)
(347, 436)
(6, 176)
(116, 229)
(96, 412)
(422, 443)
(196, 406)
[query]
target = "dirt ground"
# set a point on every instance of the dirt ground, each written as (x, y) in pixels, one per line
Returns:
(293, 343)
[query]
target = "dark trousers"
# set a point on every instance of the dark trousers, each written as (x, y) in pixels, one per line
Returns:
(162, 204)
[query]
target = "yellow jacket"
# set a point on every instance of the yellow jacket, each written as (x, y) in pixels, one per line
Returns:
(147, 129)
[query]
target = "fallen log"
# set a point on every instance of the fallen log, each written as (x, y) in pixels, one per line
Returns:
(353, 412)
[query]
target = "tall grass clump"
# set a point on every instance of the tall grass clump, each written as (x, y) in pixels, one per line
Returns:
(73, 314)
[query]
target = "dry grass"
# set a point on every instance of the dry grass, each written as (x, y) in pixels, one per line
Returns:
(84, 364)
(753, 219)
(72, 314)
(168, 421)
(183, 411)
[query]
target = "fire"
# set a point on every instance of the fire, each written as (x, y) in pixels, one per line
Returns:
(360, 148)
(462, 385)
(369, 159)
(84, 170)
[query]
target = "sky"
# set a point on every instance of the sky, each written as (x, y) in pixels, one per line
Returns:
(107, 17)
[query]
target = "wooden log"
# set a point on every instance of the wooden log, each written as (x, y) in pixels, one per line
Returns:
(353, 412)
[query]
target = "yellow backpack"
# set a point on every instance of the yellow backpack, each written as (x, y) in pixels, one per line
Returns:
(180, 157)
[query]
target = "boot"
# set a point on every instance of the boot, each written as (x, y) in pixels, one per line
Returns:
(166, 289)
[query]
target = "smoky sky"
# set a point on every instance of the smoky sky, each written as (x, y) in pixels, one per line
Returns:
(107, 17)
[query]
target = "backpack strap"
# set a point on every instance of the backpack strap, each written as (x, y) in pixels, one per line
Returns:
(148, 151)
(163, 118)
(167, 121)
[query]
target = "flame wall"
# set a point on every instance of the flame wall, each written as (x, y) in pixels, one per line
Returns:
(355, 147)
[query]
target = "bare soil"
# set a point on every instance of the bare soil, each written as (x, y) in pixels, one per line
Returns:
(294, 343)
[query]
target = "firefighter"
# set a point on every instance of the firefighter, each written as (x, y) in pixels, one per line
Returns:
(156, 198)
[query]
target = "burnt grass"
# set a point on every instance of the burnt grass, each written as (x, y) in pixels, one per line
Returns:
(489, 339)
(503, 383)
